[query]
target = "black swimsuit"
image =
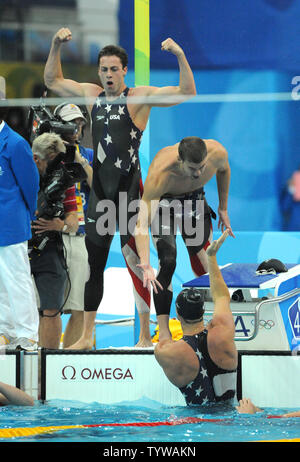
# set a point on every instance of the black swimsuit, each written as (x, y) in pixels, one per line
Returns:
(212, 383)
(116, 142)
(191, 214)
(116, 185)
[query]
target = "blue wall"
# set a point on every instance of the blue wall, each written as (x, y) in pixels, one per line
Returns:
(233, 46)
(216, 34)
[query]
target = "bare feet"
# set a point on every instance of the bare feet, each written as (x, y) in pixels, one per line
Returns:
(81, 344)
(247, 407)
(144, 343)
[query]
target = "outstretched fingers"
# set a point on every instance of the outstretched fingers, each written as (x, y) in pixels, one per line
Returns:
(149, 279)
(215, 245)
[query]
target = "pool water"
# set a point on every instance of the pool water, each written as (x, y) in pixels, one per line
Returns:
(228, 427)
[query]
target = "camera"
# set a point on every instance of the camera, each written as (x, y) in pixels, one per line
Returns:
(60, 176)
(62, 172)
(41, 120)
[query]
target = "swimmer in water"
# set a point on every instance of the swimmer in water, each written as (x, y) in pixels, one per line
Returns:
(13, 395)
(247, 407)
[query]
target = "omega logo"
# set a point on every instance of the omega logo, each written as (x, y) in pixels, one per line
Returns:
(70, 373)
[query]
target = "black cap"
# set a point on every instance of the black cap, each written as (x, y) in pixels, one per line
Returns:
(272, 266)
(190, 304)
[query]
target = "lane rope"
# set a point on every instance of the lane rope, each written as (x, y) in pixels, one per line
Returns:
(31, 431)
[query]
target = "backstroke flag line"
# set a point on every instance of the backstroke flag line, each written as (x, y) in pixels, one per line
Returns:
(142, 77)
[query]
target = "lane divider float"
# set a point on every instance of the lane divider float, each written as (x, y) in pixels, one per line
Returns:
(31, 431)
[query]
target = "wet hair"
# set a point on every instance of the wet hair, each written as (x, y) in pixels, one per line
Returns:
(190, 305)
(114, 50)
(192, 149)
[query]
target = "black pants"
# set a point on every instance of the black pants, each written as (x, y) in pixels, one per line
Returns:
(101, 225)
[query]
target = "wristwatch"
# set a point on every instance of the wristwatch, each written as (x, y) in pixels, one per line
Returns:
(65, 227)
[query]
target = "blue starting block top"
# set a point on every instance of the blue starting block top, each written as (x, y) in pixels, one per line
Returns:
(240, 275)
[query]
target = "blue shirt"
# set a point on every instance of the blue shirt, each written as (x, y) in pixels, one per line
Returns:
(19, 186)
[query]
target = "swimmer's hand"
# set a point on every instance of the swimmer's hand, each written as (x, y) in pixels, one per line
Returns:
(149, 279)
(215, 245)
(171, 46)
(247, 407)
(62, 35)
(224, 222)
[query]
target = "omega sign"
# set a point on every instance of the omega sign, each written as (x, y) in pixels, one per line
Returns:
(103, 374)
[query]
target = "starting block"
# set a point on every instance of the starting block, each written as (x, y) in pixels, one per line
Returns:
(266, 307)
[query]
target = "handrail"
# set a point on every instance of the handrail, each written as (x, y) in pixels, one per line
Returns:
(255, 313)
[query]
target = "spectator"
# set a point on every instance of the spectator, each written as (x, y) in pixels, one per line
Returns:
(19, 185)
(47, 261)
(74, 243)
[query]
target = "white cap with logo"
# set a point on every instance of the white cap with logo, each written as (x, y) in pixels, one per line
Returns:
(69, 112)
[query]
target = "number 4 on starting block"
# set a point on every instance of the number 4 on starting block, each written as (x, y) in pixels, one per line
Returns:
(294, 317)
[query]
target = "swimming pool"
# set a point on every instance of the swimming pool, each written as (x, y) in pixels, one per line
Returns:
(151, 423)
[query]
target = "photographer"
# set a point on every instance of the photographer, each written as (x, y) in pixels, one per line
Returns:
(46, 257)
(74, 243)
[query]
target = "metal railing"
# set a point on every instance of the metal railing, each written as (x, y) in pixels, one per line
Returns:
(255, 313)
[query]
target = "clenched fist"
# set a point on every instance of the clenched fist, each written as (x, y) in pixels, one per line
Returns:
(62, 35)
(170, 45)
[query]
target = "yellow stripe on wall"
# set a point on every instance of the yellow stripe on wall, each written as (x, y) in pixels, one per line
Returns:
(142, 42)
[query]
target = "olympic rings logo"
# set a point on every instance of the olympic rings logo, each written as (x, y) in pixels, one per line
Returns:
(263, 324)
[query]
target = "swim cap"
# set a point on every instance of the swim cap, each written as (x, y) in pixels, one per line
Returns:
(272, 266)
(189, 304)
